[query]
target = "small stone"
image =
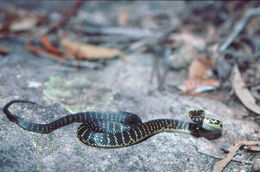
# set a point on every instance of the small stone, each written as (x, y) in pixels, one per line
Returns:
(225, 148)
(33, 84)
(55, 16)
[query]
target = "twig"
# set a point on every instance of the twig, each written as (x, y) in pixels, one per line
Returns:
(157, 60)
(67, 15)
(239, 27)
(219, 158)
(220, 165)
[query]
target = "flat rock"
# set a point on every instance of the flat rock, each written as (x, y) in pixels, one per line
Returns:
(119, 86)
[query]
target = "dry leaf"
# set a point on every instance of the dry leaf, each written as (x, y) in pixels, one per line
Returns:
(198, 67)
(122, 18)
(41, 51)
(188, 38)
(252, 148)
(3, 50)
(23, 24)
(9, 17)
(220, 165)
(19, 20)
(186, 46)
(197, 85)
(243, 93)
(48, 45)
(197, 74)
(90, 52)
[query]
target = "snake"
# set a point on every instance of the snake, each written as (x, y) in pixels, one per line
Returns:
(118, 129)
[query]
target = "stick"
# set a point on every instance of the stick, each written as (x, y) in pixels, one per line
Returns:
(220, 165)
(239, 27)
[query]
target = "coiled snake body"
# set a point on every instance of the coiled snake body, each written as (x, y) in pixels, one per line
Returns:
(119, 129)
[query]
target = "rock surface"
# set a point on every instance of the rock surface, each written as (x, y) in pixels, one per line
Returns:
(119, 86)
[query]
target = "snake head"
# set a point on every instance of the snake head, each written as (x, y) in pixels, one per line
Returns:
(205, 127)
(212, 124)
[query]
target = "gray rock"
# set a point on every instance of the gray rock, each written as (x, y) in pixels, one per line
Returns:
(100, 90)
(256, 165)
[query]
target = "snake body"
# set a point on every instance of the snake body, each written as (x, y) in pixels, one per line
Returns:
(118, 129)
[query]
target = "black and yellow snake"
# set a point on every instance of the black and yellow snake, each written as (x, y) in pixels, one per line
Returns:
(118, 129)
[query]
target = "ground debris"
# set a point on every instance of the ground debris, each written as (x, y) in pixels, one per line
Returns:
(220, 165)
(4, 50)
(243, 93)
(90, 52)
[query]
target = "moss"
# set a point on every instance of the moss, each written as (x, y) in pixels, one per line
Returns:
(63, 90)
(43, 143)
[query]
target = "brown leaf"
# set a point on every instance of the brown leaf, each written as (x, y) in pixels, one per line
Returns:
(122, 18)
(90, 52)
(198, 67)
(3, 50)
(16, 21)
(41, 51)
(253, 148)
(197, 81)
(197, 85)
(243, 93)
(23, 24)
(48, 45)
(188, 38)
(9, 17)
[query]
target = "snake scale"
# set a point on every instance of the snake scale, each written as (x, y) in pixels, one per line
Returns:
(118, 129)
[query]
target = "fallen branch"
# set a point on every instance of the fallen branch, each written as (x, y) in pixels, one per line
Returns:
(49, 46)
(37, 50)
(68, 14)
(239, 27)
(220, 165)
